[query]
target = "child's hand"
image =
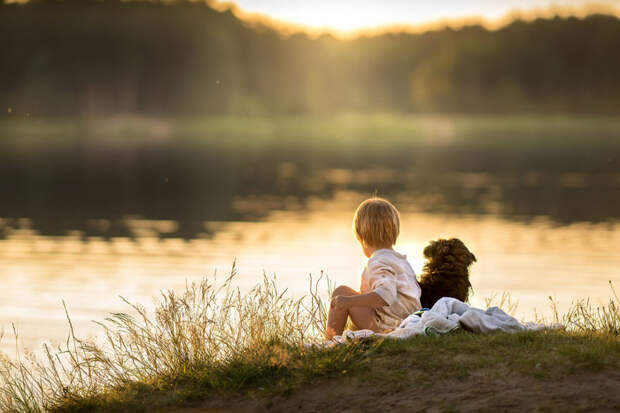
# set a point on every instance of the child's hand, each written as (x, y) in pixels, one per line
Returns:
(339, 302)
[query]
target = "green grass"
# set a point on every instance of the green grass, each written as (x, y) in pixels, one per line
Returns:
(212, 342)
(279, 371)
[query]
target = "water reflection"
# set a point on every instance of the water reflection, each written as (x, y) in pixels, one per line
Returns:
(531, 259)
(90, 175)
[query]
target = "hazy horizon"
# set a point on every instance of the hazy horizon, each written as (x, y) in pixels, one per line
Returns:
(350, 18)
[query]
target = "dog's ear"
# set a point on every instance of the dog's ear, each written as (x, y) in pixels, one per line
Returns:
(472, 258)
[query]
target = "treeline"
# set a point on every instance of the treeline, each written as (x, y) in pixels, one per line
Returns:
(87, 57)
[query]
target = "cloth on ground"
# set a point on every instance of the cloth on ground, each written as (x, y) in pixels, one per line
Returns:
(447, 315)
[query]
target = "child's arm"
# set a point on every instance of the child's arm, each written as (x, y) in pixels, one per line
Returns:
(371, 299)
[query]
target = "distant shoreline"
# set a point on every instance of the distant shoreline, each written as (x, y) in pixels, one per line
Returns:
(186, 58)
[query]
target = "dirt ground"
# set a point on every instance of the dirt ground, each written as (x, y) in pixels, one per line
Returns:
(483, 390)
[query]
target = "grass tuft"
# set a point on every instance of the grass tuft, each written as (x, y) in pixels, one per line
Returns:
(230, 337)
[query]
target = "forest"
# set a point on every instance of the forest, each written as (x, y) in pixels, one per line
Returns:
(183, 58)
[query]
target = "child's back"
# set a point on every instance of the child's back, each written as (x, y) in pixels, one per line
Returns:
(390, 275)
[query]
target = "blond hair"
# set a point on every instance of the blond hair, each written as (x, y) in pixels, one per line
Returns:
(376, 223)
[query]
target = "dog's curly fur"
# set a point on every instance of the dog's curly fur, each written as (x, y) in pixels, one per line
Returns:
(446, 271)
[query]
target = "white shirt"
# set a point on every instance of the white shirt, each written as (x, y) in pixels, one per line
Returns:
(390, 275)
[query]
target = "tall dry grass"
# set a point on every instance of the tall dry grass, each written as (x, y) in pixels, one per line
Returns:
(587, 317)
(583, 316)
(503, 301)
(207, 325)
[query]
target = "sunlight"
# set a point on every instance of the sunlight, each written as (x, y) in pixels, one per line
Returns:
(349, 16)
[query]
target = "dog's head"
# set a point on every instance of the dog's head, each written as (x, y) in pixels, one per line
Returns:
(448, 255)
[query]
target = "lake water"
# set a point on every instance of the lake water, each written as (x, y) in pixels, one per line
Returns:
(90, 216)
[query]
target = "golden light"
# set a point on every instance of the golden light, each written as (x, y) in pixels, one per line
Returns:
(347, 17)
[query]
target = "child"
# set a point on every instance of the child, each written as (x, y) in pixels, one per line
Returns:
(389, 290)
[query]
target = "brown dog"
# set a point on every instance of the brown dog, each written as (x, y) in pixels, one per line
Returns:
(446, 272)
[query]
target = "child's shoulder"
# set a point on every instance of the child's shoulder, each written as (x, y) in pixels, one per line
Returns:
(386, 257)
(387, 253)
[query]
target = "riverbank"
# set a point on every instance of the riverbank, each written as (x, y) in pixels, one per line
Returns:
(212, 348)
(550, 371)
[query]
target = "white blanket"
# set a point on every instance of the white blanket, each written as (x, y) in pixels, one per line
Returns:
(447, 315)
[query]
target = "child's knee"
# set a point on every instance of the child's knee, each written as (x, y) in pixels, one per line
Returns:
(341, 290)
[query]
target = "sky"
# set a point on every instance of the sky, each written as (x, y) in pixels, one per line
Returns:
(349, 16)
